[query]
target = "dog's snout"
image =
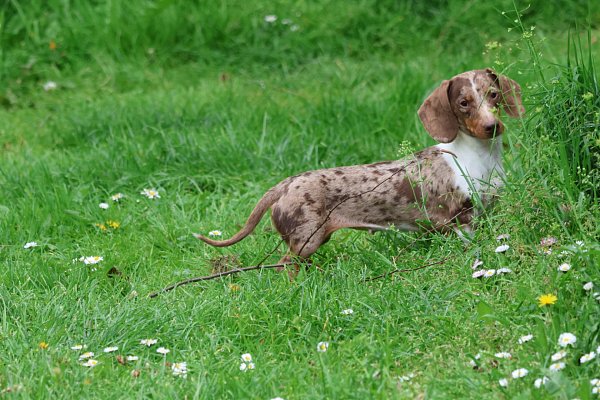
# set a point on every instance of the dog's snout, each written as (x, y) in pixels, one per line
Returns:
(493, 128)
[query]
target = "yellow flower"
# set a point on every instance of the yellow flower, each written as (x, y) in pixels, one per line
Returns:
(547, 299)
(101, 226)
(43, 345)
(113, 224)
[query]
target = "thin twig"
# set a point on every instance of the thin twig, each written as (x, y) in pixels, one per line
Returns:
(408, 269)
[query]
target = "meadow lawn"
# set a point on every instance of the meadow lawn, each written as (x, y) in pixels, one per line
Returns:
(209, 105)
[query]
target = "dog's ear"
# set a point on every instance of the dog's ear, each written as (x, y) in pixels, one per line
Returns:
(437, 115)
(511, 95)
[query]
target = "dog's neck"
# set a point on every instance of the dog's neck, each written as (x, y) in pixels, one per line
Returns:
(466, 147)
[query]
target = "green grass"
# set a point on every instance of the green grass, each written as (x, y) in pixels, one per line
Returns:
(212, 106)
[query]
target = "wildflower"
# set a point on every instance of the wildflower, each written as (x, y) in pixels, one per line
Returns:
(588, 286)
(596, 389)
(526, 338)
(595, 382)
(558, 355)
(90, 363)
(103, 206)
(564, 267)
(78, 347)
(215, 233)
(519, 373)
(29, 245)
(234, 287)
(477, 264)
(102, 227)
(580, 243)
(347, 311)
(587, 96)
(566, 339)
(540, 381)
(117, 196)
(113, 224)
(504, 236)
(489, 273)
(132, 358)
(163, 351)
(150, 193)
(478, 274)
(502, 248)
(246, 357)
(322, 347)
(86, 355)
(243, 367)
(50, 85)
(110, 349)
(179, 369)
(503, 354)
(52, 45)
(547, 299)
(286, 21)
(148, 342)
(587, 357)
(503, 382)
(473, 363)
(251, 366)
(557, 366)
(548, 241)
(503, 271)
(43, 345)
(294, 28)
(270, 18)
(92, 260)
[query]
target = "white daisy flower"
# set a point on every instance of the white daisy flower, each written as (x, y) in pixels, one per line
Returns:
(501, 271)
(548, 241)
(473, 363)
(596, 389)
(117, 196)
(86, 355)
(503, 354)
(243, 367)
(557, 366)
(103, 206)
(566, 339)
(519, 373)
(540, 381)
(78, 347)
(215, 233)
(503, 382)
(251, 366)
(580, 243)
(294, 28)
(558, 355)
(179, 369)
(564, 267)
(478, 273)
(596, 295)
(347, 311)
(29, 245)
(270, 18)
(50, 85)
(588, 286)
(322, 347)
(489, 273)
(148, 342)
(595, 382)
(151, 193)
(90, 363)
(587, 357)
(246, 357)
(504, 236)
(110, 349)
(163, 351)
(502, 248)
(286, 21)
(476, 264)
(92, 260)
(132, 358)
(526, 338)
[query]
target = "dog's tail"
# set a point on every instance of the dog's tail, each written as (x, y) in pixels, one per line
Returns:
(256, 215)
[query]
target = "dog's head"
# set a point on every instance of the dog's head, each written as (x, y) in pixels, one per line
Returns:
(471, 102)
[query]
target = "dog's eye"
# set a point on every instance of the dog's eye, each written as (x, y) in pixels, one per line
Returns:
(464, 103)
(493, 95)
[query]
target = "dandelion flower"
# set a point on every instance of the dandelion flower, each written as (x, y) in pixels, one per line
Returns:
(347, 311)
(503, 354)
(117, 196)
(215, 233)
(489, 273)
(564, 267)
(588, 286)
(110, 349)
(132, 358)
(322, 347)
(150, 193)
(43, 345)
(526, 338)
(50, 85)
(479, 273)
(90, 363)
(566, 339)
(519, 373)
(503, 382)
(29, 245)
(86, 355)
(270, 18)
(113, 224)
(148, 342)
(502, 248)
(556, 366)
(558, 355)
(547, 299)
(540, 381)
(246, 357)
(476, 264)
(162, 351)
(92, 260)
(587, 357)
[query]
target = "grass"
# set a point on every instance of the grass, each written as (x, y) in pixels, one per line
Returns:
(212, 106)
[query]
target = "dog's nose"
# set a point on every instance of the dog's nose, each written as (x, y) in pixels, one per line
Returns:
(493, 128)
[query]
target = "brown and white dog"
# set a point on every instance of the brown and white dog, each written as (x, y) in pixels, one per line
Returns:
(435, 188)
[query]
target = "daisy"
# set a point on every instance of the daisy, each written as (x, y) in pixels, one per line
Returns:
(595, 382)
(559, 355)
(564, 267)
(547, 299)
(270, 18)
(86, 355)
(286, 21)
(251, 366)
(476, 264)
(246, 357)
(110, 349)
(557, 366)
(588, 286)
(503, 354)
(90, 363)
(566, 339)
(117, 196)
(162, 351)
(92, 260)
(504, 236)
(526, 338)
(587, 357)
(473, 363)
(548, 241)
(503, 271)
(502, 248)
(519, 373)
(50, 85)
(347, 311)
(29, 245)
(215, 233)
(148, 342)
(322, 347)
(132, 358)
(503, 382)
(151, 193)
(243, 367)
(478, 274)
(580, 243)
(294, 28)
(596, 389)
(489, 273)
(78, 347)
(179, 369)
(540, 381)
